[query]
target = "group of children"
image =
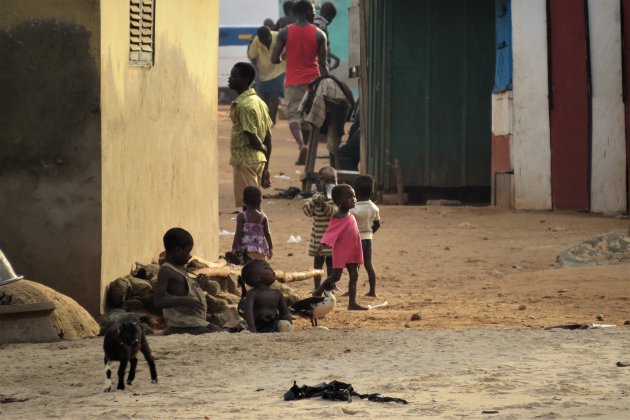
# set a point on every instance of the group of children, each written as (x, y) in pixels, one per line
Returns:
(341, 237)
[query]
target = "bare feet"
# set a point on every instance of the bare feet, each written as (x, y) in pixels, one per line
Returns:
(371, 294)
(345, 294)
(356, 307)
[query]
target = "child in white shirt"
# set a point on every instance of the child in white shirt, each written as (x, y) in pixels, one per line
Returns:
(368, 220)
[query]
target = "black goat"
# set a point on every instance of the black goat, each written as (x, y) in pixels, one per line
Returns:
(122, 342)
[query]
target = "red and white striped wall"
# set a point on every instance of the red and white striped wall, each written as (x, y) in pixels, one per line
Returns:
(560, 135)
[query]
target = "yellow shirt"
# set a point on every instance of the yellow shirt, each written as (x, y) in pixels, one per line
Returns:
(259, 52)
(248, 113)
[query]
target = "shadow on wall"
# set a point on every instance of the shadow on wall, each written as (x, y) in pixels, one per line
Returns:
(49, 111)
(50, 154)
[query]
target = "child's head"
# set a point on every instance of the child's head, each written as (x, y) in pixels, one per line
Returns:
(178, 243)
(252, 197)
(343, 196)
(241, 77)
(364, 187)
(327, 175)
(264, 35)
(258, 273)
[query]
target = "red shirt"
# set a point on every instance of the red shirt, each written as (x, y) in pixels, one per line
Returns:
(301, 55)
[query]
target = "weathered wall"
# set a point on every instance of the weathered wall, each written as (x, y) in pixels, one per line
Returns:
(530, 141)
(50, 174)
(159, 133)
(608, 159)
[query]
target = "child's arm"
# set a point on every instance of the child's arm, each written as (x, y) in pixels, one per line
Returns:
(309, 207)
(268, 236)
(376, 225)
(255, 142)
(266, 178)
(160, 299)
(282, 307)
(238, 235)
(249, 310)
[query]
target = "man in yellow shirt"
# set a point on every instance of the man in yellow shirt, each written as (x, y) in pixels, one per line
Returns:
(271, 76)
(250, 143)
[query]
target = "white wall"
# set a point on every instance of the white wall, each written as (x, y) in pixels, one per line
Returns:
(608, 160)
(531, 135)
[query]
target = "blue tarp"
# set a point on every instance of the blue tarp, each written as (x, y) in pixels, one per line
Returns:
(503, 34)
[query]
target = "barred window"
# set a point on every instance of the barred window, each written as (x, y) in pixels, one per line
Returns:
(141, 32)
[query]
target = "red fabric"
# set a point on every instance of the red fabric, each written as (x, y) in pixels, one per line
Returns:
(301, 55)
(344, 238)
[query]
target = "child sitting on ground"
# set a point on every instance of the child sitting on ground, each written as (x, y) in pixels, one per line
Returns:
(182, 301)
(252, 238)
(320, 207)
(344, 238)
(368, 220)
(264, 307)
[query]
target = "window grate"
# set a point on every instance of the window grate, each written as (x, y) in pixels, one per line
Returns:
(141, 32)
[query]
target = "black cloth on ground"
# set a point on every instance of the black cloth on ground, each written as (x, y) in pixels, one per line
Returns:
(334, 391)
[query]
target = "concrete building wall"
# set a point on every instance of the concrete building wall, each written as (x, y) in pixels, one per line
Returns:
(50, 173)
(608, 159)
(159, 133)
(531, 136)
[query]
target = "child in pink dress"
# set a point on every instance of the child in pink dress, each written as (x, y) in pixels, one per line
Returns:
(344, 238)
(252, 238)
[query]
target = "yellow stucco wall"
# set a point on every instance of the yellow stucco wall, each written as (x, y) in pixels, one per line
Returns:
(159, 150)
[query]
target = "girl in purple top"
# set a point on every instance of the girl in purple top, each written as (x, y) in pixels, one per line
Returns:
(252, 237)
(344, 238)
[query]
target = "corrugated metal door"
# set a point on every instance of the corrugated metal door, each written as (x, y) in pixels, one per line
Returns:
(439, 84)
(569, 105)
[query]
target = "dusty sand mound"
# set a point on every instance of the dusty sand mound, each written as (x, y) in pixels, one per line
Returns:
(69, 318)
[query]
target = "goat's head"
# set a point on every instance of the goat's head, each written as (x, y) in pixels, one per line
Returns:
(128, 333)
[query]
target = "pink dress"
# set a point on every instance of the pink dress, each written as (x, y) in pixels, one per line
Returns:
(344, 238)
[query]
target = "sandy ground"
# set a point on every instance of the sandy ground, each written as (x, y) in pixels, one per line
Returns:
(483, 281)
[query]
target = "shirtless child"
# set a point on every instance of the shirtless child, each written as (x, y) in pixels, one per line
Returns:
(182, 301)
(265, 308)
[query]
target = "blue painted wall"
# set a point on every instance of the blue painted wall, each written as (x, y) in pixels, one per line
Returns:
(503, 33)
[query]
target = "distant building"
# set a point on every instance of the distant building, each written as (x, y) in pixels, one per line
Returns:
(108, 115)
(522, 101)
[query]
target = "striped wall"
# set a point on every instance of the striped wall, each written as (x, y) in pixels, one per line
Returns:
(559, 135)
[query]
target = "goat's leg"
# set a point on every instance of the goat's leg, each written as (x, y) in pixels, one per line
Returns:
(146, 352)
(108, 375)
(121, 373)
(132, 370)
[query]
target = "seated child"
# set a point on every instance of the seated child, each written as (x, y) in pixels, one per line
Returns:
(320, 207)
(182, 301)
(252, 238)
(344, 238)
(265, 308)
(368, 220)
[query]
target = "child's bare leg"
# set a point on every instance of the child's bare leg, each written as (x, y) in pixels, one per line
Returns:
(329, 267)
(367, 261)
(335, 277)
(353, 273)
(318, 264)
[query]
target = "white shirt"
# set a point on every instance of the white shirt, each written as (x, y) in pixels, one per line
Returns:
(366, 212)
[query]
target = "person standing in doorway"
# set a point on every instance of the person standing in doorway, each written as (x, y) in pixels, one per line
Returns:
(306, 53)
